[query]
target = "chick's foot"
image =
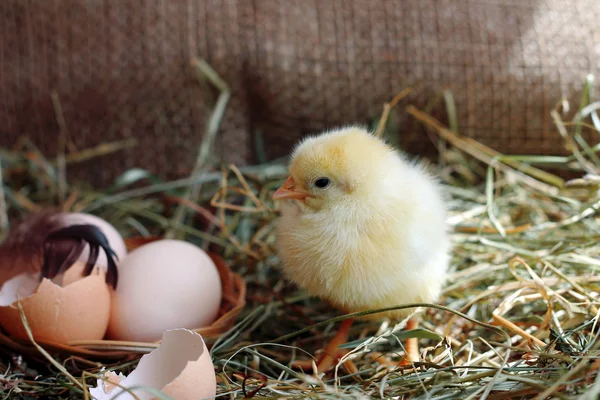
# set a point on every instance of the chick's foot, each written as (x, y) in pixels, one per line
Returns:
(331, 353)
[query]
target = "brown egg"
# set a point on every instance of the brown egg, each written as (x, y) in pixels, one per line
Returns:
(77, 310)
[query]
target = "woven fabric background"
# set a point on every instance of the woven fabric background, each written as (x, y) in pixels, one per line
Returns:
(121, 69)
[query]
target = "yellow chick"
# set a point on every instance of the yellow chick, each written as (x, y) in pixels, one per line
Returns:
(361, 226)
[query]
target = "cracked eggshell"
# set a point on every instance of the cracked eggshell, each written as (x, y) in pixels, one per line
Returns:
(113, 236)
(78, 310)
(181, 368)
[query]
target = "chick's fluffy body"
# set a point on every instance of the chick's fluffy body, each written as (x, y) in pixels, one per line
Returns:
(376, 237)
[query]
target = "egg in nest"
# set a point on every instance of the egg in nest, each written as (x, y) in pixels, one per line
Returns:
(165, 284)
(64, 293)
(77, 309)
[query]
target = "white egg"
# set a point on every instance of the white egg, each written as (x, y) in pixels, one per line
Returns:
(112, 235)
(166, 284)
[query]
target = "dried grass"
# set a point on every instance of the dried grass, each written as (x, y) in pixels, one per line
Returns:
(518, 317)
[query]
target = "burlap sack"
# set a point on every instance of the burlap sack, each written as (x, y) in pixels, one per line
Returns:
(121, 69)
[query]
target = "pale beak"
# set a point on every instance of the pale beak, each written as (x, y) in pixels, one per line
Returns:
(289, 191)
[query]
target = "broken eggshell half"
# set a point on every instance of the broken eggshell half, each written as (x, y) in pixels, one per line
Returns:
(78, 308)
(181, 367)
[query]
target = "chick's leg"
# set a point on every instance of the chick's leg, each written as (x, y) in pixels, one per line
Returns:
(412, 344)
(332, 350)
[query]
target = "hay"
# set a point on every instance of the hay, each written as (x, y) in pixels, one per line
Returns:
(519, 312)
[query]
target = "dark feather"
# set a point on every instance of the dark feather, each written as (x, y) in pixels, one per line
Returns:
(42, 243)
(63, 246)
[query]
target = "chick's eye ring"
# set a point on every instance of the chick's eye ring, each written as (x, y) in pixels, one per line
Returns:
(322, 182)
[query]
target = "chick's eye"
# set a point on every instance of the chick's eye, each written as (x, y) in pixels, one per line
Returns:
(322, 182)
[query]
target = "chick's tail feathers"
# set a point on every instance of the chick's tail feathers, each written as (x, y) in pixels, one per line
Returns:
(44, 243)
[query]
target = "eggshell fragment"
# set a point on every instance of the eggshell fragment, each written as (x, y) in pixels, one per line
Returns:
(112, 235)
(163, 285)
(18, 287)
(78, 311)
(181, 368)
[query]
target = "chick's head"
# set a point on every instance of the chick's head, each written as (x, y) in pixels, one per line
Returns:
(334, 168)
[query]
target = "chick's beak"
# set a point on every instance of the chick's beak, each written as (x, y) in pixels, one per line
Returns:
(289, 191)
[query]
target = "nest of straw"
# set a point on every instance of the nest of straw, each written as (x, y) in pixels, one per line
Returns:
(232, 303)
(518, 317)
